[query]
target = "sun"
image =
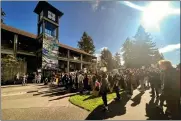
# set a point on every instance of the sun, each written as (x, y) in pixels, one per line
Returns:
(154, 13)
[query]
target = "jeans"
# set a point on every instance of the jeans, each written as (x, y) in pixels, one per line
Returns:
(117, 92)
(104, 98)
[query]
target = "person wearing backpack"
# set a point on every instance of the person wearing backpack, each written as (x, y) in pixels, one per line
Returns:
(171, 88)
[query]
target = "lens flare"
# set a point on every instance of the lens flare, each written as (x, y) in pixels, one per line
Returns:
(153, 13)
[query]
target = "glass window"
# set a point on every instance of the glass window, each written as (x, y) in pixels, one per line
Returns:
(41, 29)
(41, 15)
(50, 29)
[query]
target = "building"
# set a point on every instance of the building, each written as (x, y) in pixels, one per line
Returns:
(43, 51)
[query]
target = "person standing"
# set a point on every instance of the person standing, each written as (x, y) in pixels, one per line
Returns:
(155, 82)
(104, 89)
(24, 79)
(171, 88)
(70, 82)
(116, 86)
(85, 81)
(36, 78)
(39, 78)
(129, 84)
(76, 81)
(17, 78)
(141, 77)
(80, 83)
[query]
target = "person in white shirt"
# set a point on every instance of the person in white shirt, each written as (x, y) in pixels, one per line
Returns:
(24, 80)
(39, 78)
(17, 78)
(80, 82)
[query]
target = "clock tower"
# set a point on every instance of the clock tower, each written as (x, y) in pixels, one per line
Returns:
(48, 34)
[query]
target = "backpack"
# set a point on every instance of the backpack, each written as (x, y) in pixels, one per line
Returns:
(97, 86)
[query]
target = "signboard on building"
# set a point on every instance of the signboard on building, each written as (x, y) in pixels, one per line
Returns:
(49, 54)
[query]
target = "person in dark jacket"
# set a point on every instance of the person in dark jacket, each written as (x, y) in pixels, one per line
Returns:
(104, 90)
(171, 88)
(65, 81)
(69, 82)
(155, 82)
(85, 81)
(116, 86)
(76, 81)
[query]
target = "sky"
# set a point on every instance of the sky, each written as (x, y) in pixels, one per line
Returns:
(109, 23)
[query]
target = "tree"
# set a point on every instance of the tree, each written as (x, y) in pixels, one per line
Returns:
(128, 52)
(140, 51)
(3, 14)
(157, 56)
(117, 60)
(86, 44)
(106, 59)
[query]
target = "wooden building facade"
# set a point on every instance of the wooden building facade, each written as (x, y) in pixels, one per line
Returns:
(43, 51)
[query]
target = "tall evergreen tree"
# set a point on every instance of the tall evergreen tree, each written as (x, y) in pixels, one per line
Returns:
(145, 48)
(128, 52)
(157, 56)
(3, 14)
(117, 60)
(86, 44)
(106, 59)
(140, 51)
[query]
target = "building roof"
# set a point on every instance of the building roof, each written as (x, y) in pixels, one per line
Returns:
(74, 49)
(45, 5)
(30, 35)
(18, 31)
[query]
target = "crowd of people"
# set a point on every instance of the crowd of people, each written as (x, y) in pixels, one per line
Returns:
(23, 78)
(164, 81)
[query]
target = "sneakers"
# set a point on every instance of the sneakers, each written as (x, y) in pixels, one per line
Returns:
(105, 108)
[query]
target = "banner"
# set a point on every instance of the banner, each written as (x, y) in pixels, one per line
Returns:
(50, 54)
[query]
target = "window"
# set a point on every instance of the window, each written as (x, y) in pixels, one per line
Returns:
(41, 29)
(41, 15)
(50, 29)
(51, 15)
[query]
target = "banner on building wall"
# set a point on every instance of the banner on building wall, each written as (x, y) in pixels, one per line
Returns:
(50, 54)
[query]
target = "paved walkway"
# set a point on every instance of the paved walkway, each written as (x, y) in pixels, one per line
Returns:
(46, 105)
(42, 104)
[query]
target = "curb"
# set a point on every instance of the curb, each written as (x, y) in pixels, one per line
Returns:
(19, 85)
(18, 93)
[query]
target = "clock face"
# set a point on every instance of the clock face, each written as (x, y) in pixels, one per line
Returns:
(51, 15)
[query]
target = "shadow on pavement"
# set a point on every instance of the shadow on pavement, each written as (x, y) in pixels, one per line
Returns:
(52, 91)
(153, 112)
(137, 99)
(116, 108)
(63, 97)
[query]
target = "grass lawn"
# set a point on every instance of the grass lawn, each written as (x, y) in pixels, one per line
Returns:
(88, 102)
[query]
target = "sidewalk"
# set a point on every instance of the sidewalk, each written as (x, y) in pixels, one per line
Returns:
(17, 85)
(11, 90)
